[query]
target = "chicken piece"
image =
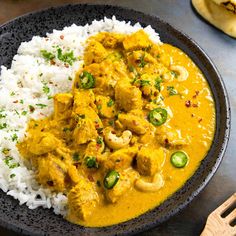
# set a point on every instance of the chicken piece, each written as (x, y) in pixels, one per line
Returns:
(137, 40)
(95, 148)
(168, 137)
(84, 131)
(52, 172)
(82, 199)
(149, 161)
(121, 159)
(140, 59)
(62, 105)
(110, 40)
(123, 185)
(106, 106)
(128, 97)
(94, 53)
(41, 143)
(82, 113)
(149, 136)
(83, 98)
(134, 123)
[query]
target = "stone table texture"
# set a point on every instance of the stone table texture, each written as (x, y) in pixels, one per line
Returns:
(221, 49)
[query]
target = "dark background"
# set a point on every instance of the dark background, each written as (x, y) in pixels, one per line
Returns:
(221, 49)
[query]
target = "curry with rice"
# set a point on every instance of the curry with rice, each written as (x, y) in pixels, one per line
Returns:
(136, 125)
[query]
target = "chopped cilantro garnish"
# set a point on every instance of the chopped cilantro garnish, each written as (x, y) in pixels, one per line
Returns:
(99, 140)
(14, 137)
(47, 55)
(142, 61)
(172, 91)
(5, 151)
(46, 89)
(143, 82)
(41, 105)
(67, 57)
(8, 160)
(76, 156)
(23, 113)
(17, 112)
(22, 101)
(110, 103)
(131, 68)
(12, 93)
(99, 106)
(2, 115)
(40, 74)
(69, 78)
(12, 176)
(158, 81)
(148, 48)
(65, 129)
(14, 165)
(111, 122)
(174, 74)
(3, 126)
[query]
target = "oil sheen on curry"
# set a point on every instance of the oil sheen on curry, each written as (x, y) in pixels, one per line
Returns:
(135, 126)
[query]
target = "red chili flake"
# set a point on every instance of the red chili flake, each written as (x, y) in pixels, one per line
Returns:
(188, 103)
(195, 105)
(96, 126)
(90, 177)
(15, 101)
(31, 109)
(66, 65)
(46, 39)
(52, 62)
(113, 132)
(192, 115)
(200, 120)
(76, 164)
(134, 122)
(61, 37)
(166, 141)
(98, 146)
(155, 93)
(50, 183)
(196, 94)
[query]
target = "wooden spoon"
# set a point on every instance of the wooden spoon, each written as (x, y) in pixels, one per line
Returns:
(219, 222)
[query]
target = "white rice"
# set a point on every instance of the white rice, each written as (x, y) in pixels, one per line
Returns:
(23, 85)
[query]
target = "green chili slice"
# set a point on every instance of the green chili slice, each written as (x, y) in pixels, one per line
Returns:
(157, 116)
(87, 80)
(179, 159)
(91, 162)
(111, 179)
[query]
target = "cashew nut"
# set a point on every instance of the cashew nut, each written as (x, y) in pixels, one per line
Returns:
(154, 186)
(182, 72)
(115, 142)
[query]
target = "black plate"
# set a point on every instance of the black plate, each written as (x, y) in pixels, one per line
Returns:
(43, 221)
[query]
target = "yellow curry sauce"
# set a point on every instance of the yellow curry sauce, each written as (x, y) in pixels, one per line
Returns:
(109, 144)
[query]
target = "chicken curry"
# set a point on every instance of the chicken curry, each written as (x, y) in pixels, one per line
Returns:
(135, 126)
